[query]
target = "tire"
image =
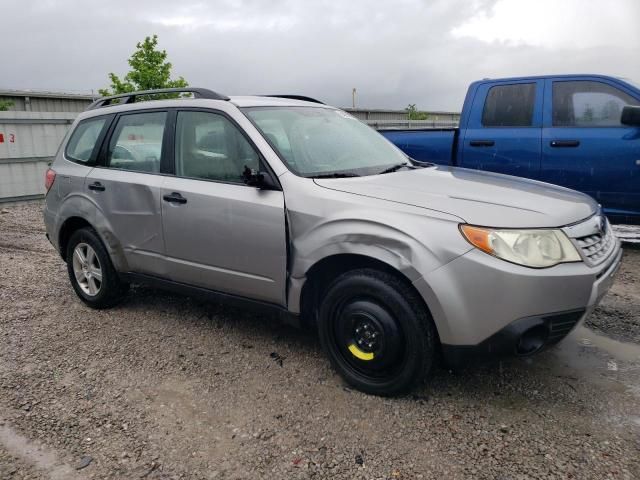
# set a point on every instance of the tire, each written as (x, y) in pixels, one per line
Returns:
(97, 291)
(377, 333)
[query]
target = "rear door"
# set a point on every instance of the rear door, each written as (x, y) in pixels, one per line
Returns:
(125, 187)
(586, 148)
(219, 233)
(503, 131)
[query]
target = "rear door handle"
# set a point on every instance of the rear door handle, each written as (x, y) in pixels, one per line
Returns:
(564, 143)
(97, 186)
(174, 197)
(482, 143)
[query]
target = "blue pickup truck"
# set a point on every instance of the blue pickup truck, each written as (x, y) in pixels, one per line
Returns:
(578, 131)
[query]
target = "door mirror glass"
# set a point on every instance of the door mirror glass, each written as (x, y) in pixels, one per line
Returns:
(630, 116)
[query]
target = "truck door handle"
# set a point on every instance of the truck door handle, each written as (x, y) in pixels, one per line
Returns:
(174, 197)
(97, 186)
(482, 143)
(564, 143)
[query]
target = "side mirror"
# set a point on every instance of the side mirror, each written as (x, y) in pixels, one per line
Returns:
(258, 179)
(630, 116)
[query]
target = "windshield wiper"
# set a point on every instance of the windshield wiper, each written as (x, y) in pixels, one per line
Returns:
(335, 175)
(396, 167)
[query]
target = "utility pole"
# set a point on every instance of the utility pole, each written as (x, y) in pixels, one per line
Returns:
(353, 97)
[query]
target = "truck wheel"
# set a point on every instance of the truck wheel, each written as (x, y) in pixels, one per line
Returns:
(91, 272)
(376, 332)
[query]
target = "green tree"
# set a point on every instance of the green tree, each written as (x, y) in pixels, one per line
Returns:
(149, 70)
(5, 105)
(415, 114)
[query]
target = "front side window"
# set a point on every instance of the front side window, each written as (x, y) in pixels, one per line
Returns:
(588, 104)
(210, 147)
(83, 140)
(136, 143)
(509, 105)
(315, 141)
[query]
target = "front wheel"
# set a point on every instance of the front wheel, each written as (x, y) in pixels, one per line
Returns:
(91, 272)
(376, 332)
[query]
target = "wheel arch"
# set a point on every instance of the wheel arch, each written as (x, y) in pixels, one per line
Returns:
(69, 226)
(75, 222)
(324, 271)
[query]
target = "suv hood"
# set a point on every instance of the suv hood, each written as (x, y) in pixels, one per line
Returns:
(479, 198)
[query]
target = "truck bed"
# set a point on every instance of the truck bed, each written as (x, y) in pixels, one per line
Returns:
(434, 145)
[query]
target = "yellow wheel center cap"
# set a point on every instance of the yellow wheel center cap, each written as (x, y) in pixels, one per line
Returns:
(356, 352)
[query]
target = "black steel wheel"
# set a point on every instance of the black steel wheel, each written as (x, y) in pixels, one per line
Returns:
(376, 332)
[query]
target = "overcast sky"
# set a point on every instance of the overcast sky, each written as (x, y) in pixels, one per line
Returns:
(394, 52)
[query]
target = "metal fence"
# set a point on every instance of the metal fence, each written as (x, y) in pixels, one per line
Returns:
(28, 143)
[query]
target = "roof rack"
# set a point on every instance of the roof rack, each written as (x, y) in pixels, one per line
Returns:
(130, 97)
(296, 97)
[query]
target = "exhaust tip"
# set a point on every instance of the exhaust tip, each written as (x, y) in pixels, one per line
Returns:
(532, 340)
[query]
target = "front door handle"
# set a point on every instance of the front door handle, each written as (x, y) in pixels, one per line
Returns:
(96, 186)
(174, 197)
(564, 143)
(482, 143)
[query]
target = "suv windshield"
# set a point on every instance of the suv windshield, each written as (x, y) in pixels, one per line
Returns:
(315, 141)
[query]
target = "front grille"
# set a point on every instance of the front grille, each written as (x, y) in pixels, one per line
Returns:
(561, 324)
(597, 247)
(594, 238)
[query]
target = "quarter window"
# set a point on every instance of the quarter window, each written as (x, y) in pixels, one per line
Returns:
(83, 140)
(136, 143)
(509, 105)
(210, 147)
(588, 104)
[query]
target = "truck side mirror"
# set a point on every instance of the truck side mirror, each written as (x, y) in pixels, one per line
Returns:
(630, 116)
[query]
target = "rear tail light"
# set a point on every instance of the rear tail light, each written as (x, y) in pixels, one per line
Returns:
(49, 178)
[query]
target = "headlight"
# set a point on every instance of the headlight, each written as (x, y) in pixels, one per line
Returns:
(531, 248)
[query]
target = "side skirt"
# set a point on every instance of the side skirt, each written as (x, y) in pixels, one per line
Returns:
(213, 296)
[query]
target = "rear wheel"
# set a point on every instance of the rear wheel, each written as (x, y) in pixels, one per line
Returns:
(90, 270)
(376, 332)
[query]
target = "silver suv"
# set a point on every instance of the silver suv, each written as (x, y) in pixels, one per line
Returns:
(292, 205)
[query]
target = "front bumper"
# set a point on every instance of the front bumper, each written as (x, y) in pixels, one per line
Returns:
(482, 306)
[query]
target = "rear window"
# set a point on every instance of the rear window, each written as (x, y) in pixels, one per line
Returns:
(509, 105)
(84, 139)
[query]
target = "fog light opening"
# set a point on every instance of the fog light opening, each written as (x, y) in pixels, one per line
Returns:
(532, 340)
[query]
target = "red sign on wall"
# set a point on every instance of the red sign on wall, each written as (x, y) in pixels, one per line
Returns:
(1, 137)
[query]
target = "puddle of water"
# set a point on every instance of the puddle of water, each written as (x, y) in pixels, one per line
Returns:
(37, 455)
(627, 352)
(601, 360)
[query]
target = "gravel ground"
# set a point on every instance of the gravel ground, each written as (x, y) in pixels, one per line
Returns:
(165, 387)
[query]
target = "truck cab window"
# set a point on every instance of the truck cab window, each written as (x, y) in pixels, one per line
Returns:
(509, 105)
(588, 104)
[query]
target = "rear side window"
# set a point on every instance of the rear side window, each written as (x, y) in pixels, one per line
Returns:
(588, 104)
(84, 140)
(136, 142)
(509, 105)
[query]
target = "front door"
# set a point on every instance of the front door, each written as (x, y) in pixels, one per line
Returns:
(219, 233)
(586, 148)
